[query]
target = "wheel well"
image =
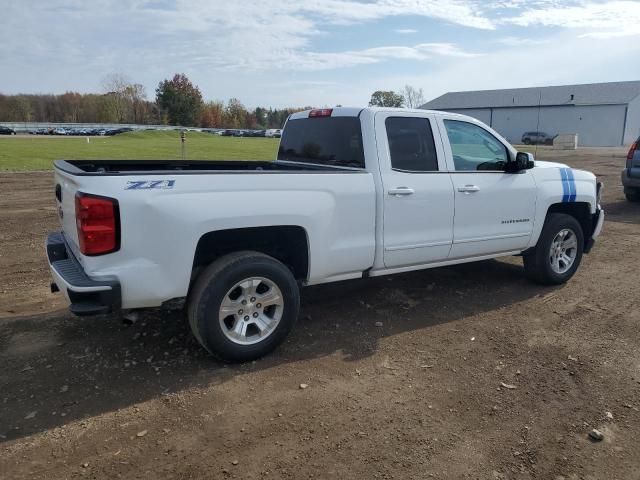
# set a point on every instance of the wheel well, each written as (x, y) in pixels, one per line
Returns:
(286, 243)
(581, 211)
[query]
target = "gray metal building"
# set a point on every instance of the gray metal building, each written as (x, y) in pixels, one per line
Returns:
(602, 114)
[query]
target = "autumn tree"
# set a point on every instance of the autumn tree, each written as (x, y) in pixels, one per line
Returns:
(235, 115)
(71, 106)
(383, 98)
(181, 100)
(19, 109)
(116, 104)
(413, 97)
(212, 115)
(136, 98)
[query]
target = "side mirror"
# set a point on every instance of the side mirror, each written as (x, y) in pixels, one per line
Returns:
(523, 161)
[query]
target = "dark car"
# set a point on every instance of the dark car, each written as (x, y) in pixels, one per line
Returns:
(117, 131)
(537, 138)
(631, 174)
(7, 131)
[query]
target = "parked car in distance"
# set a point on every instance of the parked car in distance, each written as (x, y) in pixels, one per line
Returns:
(631, 173)
(353, 193)
(120, 130)
(273, 133)
(7, 131)
(537, 138)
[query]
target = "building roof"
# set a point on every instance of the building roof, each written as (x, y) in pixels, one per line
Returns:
(613, 93)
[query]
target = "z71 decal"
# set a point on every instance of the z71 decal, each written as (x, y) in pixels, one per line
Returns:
(149, 184)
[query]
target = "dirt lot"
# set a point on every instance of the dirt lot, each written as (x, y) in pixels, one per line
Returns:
(419, 397)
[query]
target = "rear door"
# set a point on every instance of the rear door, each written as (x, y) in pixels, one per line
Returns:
(418, 196)
(494, 210)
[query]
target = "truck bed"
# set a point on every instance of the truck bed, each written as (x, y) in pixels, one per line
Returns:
(150, 167)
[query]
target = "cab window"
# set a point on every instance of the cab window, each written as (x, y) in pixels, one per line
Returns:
(411, 145)
(474, 148)
(335, 141)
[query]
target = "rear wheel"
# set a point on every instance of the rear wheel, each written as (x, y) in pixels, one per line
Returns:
(557, 256)
(243, 306)
(632, 194)
(526, 141)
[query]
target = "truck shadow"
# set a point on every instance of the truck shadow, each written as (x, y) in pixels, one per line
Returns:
(622, 211)
(58, 369)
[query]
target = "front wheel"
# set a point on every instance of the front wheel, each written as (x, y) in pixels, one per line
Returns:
(557, 256)
(243, 305)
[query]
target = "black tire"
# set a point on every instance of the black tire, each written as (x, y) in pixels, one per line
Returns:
(537, 263)
(212, 286)
(526, 141)
(632, 195)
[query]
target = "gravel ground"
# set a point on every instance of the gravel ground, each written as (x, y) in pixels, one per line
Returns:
(474, 373)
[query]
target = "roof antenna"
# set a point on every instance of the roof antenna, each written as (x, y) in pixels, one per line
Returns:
(535, 155)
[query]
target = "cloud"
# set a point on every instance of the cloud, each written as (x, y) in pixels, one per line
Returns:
(524, 66)
(192, 34)
(343, 11)
(598, 20)
(520, 41)
(315, 61)
(252, 48)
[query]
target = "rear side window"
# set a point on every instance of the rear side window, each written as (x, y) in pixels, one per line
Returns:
(324, 140)
(411, 144)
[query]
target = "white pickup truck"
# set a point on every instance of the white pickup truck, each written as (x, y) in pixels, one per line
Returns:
(354, 193)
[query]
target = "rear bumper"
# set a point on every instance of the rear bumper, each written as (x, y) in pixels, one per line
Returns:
(628, 181)
(87, 296)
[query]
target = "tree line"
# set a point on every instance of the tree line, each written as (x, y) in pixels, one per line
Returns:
(177, 102)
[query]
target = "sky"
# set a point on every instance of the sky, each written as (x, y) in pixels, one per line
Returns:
(283, 53)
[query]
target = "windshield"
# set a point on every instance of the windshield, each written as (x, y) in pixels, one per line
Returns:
(324, 140)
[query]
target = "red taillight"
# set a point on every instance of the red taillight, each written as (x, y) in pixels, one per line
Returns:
(98, 222)
(323, 112)
(632, 151)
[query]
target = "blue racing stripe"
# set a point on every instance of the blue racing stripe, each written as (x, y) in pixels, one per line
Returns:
(572, 185)
(566, 192)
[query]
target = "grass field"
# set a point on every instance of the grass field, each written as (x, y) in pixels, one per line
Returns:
(38, 152)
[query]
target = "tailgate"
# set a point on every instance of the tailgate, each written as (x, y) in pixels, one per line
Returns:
(66, 186)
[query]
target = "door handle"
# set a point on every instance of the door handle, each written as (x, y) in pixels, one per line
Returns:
(469, 189)
(398, 191)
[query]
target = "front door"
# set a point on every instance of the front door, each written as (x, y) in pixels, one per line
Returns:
(418, 195)
(494, 210)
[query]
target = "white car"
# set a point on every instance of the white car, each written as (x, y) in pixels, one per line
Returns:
(273, 133)
(354, 193)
